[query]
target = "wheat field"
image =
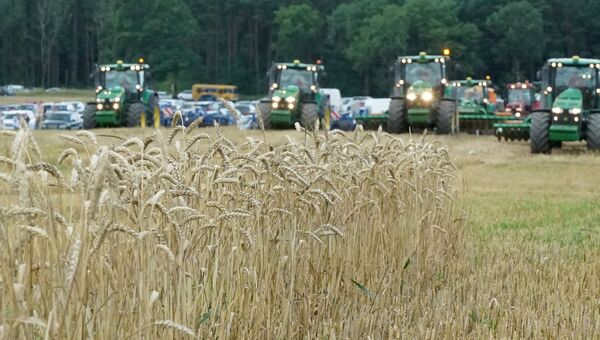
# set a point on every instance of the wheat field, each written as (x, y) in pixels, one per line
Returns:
(214, 233)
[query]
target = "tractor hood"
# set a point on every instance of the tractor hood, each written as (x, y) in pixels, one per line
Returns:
(111, 93)
(420, 86)
(470, 106)
(287, 92)
(571, 98)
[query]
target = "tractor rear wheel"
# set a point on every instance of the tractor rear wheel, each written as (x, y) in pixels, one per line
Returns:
(265, 112)
(593, 132)
(89, 117)
(540, 132)
(443, 122)
(397, 120)
(134, 115)
(309, 115)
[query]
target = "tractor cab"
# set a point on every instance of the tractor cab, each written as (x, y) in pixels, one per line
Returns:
(521, 99)
(117, 80)
(295, 79)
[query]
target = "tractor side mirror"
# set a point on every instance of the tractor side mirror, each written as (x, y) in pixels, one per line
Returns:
(538, 75)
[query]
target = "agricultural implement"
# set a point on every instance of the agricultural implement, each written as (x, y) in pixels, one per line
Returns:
(122, 96)
(418, 97)
(570, 105)
(476, 105)
(521, 101)
(294, 96)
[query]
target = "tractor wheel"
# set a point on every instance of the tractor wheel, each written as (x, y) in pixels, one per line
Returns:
(134, 115)
(593, 132)
(540, 132)
(89, 117)
(397, 119)
(309, 115)
(443, 121)
(265, 111)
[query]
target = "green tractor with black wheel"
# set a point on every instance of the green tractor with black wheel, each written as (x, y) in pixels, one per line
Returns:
(476, 105)
(419, 95)
(570, 105)
(294, 96)
(123, 95)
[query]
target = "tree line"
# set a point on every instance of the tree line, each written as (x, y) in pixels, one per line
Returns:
(48, 43)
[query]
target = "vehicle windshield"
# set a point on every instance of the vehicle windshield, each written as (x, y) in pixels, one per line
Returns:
(301, 78)
(582, 78)
(125, 79)
(244, 109)
(472, 93)
(519, 96)
(426, 72)
(65, 117)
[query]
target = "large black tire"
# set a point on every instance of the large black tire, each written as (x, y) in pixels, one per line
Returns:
(309, 115)
(539, 132)
(593, 132)
(134, 114)
(443, 121)
(397, 119)
(265, 111)
(89, 117)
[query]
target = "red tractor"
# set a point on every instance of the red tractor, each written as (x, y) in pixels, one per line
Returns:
(521, 99)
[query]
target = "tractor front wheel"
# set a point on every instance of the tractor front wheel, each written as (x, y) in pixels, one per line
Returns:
(134, 115)
(89, 117)
(309, 116)
(265, 112)
(540, 132)
(593, 132)
(397, 121)
(443, 122)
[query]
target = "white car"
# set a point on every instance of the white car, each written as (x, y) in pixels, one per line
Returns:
(164, 95)
(11, 119)
(335, 98)
(185, 95)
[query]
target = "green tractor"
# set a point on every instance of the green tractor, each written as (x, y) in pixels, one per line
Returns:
(419, 95)
(122, 96)
(476, 105)
(294, 96)
(570, 105)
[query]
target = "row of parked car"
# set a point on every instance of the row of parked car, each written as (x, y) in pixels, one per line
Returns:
(211, 111)
(62, 115)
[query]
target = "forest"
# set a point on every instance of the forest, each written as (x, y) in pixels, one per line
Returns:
(56, 43)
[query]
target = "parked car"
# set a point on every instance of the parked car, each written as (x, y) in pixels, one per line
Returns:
(11, 119)
(247, 116)
(218, 113)
(6, 91)
(164, 95)
(190, 111)
(64, 120)
(185, 95)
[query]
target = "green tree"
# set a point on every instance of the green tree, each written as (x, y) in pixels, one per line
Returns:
(298, 32)
(519, 37)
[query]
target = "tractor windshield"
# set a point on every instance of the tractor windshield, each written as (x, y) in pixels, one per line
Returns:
(519, 96)
(583, 78)
(301, 78)
(426, 72)
(473, 93)
(126, 79)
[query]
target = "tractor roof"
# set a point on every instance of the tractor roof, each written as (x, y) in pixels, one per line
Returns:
(522, 86)
(471, 82)
(573, 61)
(119, 65)
(296, 64)
(422, 57)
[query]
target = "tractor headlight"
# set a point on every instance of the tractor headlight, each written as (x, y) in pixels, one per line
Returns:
(116, 99)
(99, 106)
(518, 114)
(575, 111)
(99, 88)
(290, 99)
(485, 100)
(427, 96)
(139, 87)
(116, 106)
(98, 100)
(519, 109)
(291, 106)
(557, 110)
(276, 99)
(411, 96)
(275, 105)
(508, 109)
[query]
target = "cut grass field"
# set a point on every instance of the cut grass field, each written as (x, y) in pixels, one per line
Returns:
(527, 265)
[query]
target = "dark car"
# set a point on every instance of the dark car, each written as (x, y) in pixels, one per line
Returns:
(63, 120)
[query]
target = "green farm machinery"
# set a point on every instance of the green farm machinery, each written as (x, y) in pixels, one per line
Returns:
(419, 95)
(570, 105)
(476, 100)
(123, 96)
(294, 96)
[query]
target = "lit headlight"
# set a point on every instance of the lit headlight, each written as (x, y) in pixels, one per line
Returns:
(139, 87)
(518, 114)
(508, 109)
(519, 109)
(291, 106)
(276, 99)
(116, 100)
(116, 106)
(98, 100)
(411, 96)
(427, 96)
(99, 106)
(313, 88)
(275, 104)
(557, 110)
(290, 99)
(575, 111)
(485, 100)
(99, 88)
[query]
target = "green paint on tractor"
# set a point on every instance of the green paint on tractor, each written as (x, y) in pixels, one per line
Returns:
(294, 96)
(476, 105)
(123, 95)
